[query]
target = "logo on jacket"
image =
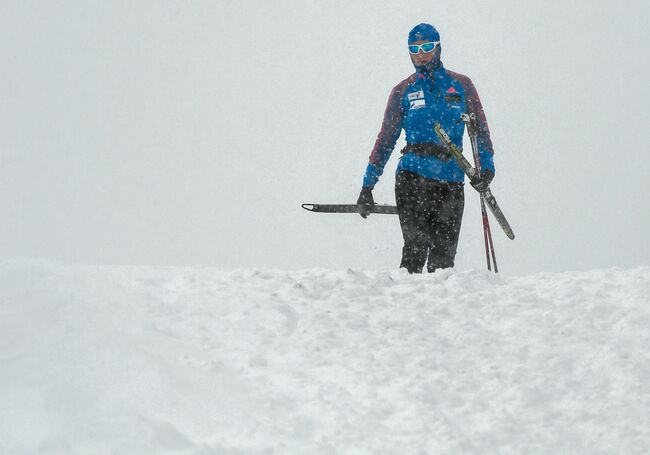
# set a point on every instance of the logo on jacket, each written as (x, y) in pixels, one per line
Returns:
(452, 96)
(416, 99)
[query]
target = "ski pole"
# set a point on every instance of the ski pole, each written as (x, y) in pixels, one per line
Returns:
(486, 221)
(470, 121)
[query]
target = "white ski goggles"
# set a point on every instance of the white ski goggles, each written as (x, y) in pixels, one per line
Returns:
(424, 47)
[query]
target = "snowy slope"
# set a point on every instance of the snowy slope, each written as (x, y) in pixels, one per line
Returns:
(124, 360)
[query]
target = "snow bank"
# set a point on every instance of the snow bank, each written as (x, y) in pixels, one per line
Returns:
(123, 360)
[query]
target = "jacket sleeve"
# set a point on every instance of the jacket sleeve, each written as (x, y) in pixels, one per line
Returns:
(485, 150)
(391, 128)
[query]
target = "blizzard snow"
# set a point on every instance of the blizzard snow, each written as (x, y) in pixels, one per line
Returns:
(143, 360)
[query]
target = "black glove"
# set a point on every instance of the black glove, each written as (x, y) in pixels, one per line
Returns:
(481, 184)
(365, 201)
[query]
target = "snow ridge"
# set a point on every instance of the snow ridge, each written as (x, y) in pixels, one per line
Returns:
(122, 360)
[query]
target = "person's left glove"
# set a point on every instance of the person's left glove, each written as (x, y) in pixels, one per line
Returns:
(365, 201)
(481, 184)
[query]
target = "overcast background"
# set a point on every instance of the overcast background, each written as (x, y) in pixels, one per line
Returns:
(189, 133)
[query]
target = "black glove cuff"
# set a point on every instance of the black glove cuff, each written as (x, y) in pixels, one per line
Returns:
(365, 197)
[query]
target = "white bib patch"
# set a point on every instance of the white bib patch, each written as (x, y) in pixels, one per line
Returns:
(417, 104)
(416, 95)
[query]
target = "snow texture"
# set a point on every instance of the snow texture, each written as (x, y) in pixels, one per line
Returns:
(126, 360)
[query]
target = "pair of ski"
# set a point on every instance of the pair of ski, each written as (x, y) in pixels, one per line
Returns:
(474, 173)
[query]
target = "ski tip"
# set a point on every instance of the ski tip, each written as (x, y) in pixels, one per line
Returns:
(309, 207)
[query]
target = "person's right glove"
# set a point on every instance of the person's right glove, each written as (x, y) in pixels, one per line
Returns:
(365, 201)
(482, 184)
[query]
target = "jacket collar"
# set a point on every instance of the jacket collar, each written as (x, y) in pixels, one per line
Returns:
(430, 69)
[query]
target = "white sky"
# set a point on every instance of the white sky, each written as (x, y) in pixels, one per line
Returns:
(189, 133)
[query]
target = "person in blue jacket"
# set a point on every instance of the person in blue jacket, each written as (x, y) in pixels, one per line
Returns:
(429, 183)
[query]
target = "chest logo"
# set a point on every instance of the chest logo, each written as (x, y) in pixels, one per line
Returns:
(417, 104)
(452, 96)
(416, 95)
(416, 100)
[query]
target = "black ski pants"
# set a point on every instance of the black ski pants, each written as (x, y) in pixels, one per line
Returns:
(430, 213)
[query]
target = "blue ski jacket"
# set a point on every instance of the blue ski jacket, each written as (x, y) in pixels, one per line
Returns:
(415, 105)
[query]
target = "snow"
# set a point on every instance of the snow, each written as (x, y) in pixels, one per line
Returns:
(146, 360)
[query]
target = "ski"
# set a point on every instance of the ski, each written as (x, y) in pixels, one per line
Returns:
(382, 209)
(490, 200)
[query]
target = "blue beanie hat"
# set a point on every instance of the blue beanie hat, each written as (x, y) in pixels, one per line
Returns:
(423, 32)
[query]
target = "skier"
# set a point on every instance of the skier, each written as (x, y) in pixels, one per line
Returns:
(429, 183)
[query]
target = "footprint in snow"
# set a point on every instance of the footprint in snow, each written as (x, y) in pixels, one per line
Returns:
(292, 316)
